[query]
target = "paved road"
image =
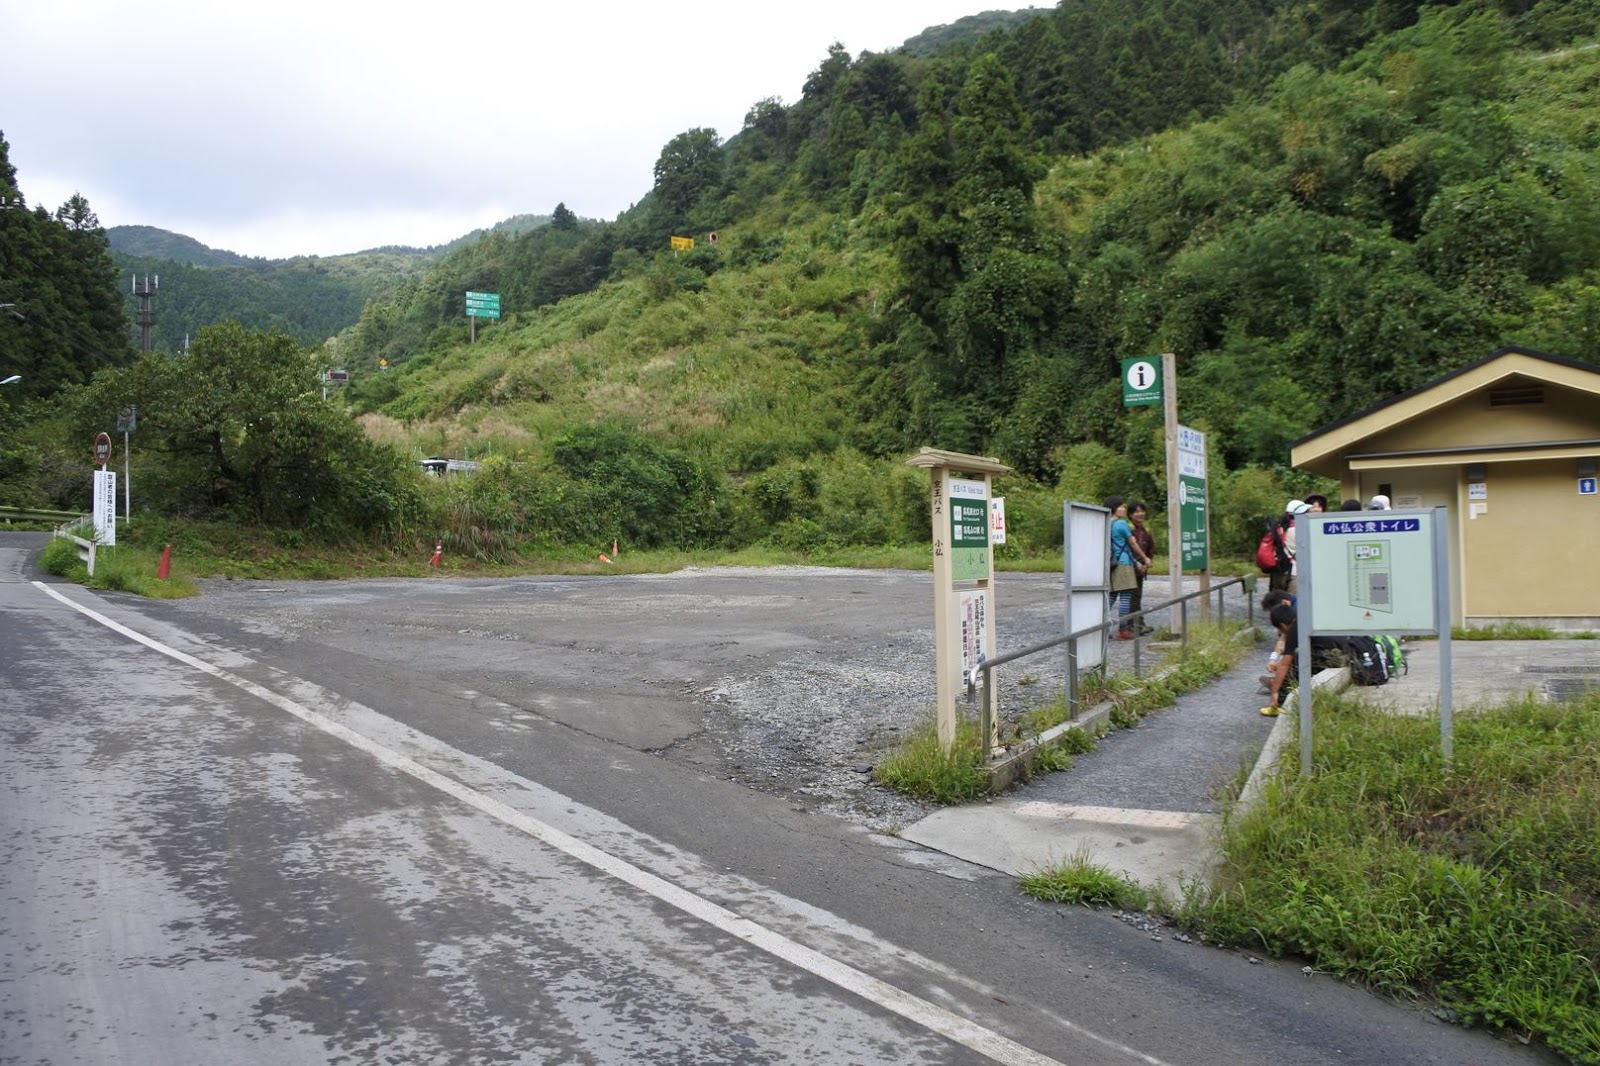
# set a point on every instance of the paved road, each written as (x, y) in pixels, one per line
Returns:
(289, 835)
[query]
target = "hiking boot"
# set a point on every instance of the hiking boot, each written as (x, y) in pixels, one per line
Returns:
(1124, 634)
(1270, 712)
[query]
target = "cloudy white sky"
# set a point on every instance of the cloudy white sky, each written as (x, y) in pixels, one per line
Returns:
(300, 128)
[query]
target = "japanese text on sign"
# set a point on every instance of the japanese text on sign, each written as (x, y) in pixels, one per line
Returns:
(1372, 525)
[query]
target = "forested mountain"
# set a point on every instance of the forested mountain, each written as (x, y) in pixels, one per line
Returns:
(957, 250)
(1314, 207)
(150, 242)
(311, 298)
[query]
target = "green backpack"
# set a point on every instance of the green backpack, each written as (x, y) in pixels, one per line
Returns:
(1394, 656)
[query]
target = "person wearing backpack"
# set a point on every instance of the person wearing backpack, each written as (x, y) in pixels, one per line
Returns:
(1272, 556)
(1292, 510)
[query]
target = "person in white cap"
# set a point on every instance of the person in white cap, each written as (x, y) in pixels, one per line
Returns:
(1290, 510)
(1379, 502)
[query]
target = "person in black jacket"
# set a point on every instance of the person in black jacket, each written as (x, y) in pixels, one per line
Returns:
(1284, 620)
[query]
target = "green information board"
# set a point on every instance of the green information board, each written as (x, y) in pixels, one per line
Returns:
(969, 530)
(1373, 572)
(1192, 496)
(1192, 515)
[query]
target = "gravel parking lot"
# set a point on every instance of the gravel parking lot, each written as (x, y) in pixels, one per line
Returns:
(791, 680)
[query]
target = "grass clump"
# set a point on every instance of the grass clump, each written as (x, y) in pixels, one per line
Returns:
(1503, 631)
(1077, 880)
(124, 568)
(1476, 883)
(922, 768)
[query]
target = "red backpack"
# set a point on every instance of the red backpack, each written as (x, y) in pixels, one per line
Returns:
(1271, 556)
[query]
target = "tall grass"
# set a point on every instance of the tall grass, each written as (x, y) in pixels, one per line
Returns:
(1477, 883)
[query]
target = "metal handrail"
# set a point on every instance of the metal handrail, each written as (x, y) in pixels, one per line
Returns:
(986, 705)
(39, 515)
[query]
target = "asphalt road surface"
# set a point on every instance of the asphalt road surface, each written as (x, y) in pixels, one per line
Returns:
(528, 822)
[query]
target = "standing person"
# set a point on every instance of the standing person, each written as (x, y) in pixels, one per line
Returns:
(1290, 510)
(1145, 541)
(1278, 580)
(1124, 557)
(1379, 502)
(1317, 503)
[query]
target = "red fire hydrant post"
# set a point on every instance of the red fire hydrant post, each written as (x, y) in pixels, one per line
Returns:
(164, 568)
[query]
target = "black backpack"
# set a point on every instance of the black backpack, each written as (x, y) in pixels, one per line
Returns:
(1366, 660)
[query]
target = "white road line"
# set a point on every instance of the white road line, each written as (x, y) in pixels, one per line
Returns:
(934, 1018)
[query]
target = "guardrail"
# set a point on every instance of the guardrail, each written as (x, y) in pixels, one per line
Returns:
(988, 704)
(34, 514)
(86, 548)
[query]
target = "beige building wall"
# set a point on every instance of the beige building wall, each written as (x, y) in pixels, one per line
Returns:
(1525, 546)
(1530, 544)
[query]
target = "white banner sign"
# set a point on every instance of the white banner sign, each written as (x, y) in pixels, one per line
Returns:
(105, 507)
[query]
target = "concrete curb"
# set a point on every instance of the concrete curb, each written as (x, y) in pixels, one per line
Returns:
(1334, 680)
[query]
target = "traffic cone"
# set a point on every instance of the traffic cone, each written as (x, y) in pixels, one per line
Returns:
(438, 554)
(164, 568)
(602, 557)
(614, 552)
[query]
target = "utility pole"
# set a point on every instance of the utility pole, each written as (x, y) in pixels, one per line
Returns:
(144, 291)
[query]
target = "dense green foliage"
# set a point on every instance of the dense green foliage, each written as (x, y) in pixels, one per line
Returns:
(1477, 883)
(905, 261)
(308, 298)
(1315, 208)
(236, 427)
(60, 318)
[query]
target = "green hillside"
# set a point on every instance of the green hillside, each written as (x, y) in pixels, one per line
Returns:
(1314, 208)
(940, 277)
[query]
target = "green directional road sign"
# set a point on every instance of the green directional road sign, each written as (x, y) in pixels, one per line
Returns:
(483, 305)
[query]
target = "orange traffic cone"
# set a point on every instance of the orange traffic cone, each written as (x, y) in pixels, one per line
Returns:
(438, 554)
(164, 567)
(602, 557)
(614, 552)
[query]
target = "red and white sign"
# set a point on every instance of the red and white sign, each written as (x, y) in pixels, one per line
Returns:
(102, 449)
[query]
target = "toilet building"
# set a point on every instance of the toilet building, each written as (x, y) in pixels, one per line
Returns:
(1509, 446)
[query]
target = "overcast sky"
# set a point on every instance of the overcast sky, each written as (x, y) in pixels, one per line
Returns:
(300, 128)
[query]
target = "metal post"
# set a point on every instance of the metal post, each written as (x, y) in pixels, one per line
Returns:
(1441, 611)
(1169, 400)
(1072, 679)
(986, 714)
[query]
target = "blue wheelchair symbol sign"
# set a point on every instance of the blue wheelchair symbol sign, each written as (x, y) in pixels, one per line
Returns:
(1587, 487)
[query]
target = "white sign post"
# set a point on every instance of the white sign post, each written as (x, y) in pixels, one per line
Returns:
(105, 507)
(963, 580)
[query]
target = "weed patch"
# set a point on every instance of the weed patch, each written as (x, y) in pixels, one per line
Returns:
(1476, 883)
(1077, 880)
(922, 768)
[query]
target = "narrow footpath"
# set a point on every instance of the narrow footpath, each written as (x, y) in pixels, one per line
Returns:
(1146, 802)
